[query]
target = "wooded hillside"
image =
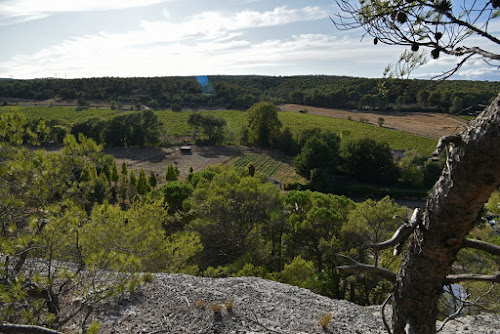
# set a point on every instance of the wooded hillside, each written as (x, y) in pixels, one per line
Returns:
(240, 92)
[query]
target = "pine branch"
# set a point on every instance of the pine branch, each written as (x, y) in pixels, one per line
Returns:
(357, 267)
(481, 245)
(402, 233)
(450, 279)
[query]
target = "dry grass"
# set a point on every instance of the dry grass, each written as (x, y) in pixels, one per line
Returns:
(200, 303)
(429, 125)
(216, 308)
(229, 305)
(325, 320)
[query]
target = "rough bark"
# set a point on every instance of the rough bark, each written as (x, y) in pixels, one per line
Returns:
(471, 174)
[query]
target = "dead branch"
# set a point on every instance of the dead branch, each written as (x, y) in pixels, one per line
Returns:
(451, 317)
(450, 279)
(481, 245)
(402, 233)
(25, 329)
(387, 327)
(357, 267)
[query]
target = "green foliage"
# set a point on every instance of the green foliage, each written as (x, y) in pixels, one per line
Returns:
(171, 173)
(152, 180)
(211, 127)
(380, 121)
(82, 104)
(133, 178)
(456, 105)
(230, 212)
(124, 170)
(15, 129)
(372, 222)
(114, 173)
(142, 183)
(299, 272)
(94, 327)
(176, 107)
(315, 220)
(369, 161)
(251, 169)
(206, 176)
(175, 194)
(319, 156)
(493, 204)
(262, 124)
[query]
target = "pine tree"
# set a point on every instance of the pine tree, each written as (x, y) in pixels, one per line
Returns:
(133, 179)
(152, 180)
(114, 173)
(142, 183)
(124, 169)
(106, 171)
(171, 174)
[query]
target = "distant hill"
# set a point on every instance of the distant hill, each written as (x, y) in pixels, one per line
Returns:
(240, 92)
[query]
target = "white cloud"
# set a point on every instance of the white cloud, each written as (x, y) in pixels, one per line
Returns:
(15, 11)
(208, 43)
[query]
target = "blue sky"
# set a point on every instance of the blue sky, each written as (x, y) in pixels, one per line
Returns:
(95, 38)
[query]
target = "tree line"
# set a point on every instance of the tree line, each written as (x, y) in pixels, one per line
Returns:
(240, 92)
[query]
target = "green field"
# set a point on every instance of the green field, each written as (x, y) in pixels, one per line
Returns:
(67, 115)
(264, 163)
(176, 124)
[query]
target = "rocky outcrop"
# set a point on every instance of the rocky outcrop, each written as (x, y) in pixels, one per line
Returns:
(176, 303)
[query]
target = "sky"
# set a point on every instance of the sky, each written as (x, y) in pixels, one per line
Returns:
(147, 38)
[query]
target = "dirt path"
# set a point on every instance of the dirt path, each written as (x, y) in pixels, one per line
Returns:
(431, 125)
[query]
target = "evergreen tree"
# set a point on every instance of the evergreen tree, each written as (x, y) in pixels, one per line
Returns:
(124, 169)
(133, 179)
(114, 173)
(171, 173)
(106, 171)
(152, 180)
(142, 183)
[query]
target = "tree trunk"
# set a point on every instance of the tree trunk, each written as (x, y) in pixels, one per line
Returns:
(471, 174)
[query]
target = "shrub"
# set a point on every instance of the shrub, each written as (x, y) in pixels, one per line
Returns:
(147, 277)
(229, 305)
(325, 320)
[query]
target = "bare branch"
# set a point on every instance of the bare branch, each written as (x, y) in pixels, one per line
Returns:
(481, 245)
(450, 279)
(25, 329)
(451, 317)
(387, 327)
(402, 233)
(357, 267)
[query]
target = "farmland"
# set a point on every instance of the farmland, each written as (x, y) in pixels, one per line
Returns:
(263, 162)
(175, 124)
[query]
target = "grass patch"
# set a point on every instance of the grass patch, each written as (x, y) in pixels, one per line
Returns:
(467, 118)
